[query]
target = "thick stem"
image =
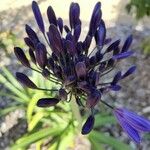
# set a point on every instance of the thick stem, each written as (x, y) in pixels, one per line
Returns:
(76, 112)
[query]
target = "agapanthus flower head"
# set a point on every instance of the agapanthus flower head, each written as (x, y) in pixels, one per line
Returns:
(68, 61)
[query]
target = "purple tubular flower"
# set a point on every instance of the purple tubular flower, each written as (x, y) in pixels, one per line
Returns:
(80, 68)
(74, 15)
(113, 46)
(129, 71)
(31, 34)
(132, 123)
(38, 16)
(123, 55)
(51, 16)
(127, 44)
(55, 39)
(100, 34)
(95, 19)
(41, 55)
(88, 125)
(60, 24)
(29, 43)
(70, 47)
(116, 78)
(47, 102)
(21, 56)
(77, 32)
(93, 98)
(32, 56)
(25, 81)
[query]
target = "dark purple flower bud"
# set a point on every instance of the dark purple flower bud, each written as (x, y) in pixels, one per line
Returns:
(50, 63)
(38, 16)
(31, 33)
(45, 73)
(66, 28)
(99, 56)
(77, 32)
(113, 46)
(116, 51)
(127, 44)
(62, 94)
(47, 102)
(51, 16)
(92, 60)
(79, 48)
(123, 55)
(87, 43)
(32, 56)
(100, 34)
(70, 79)
(115, 87)
(55, 39)
(60, 24)
(70, 47)
(102, 66)
(21, 56)
(88, 125)
(29, 43)
(84, 86)
(117, 77)
(81, 70)
(54, 57)
(95, 19)
(129, 71)
(107, 41)
(74, 14)
(25, 81)
(93, 98)
(41, 55)
(70, 37)
(110, 63)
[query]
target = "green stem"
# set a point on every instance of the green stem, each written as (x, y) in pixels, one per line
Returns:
(76, 112)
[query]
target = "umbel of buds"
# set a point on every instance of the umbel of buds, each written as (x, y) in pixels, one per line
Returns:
(70, 62)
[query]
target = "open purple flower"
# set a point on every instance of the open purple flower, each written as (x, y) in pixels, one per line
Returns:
(132, 123)
(67, 60)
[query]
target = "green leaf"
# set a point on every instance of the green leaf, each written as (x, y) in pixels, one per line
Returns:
(37, 136)
(35, 119)
(7, 110)
(11, 78)
(32, 105)
(102, 138)
(13, 89)
(101, 120)
(95, 145)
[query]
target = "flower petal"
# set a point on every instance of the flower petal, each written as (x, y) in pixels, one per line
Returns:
(88, 125)
(21, 56)
(25, 81)
(127, 43)
(38, 16)
(47, 102)
(131, 132)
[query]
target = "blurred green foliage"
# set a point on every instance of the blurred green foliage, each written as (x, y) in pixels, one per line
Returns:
(7, 41)
(54, 127)
(139, 7)
(145, 46)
